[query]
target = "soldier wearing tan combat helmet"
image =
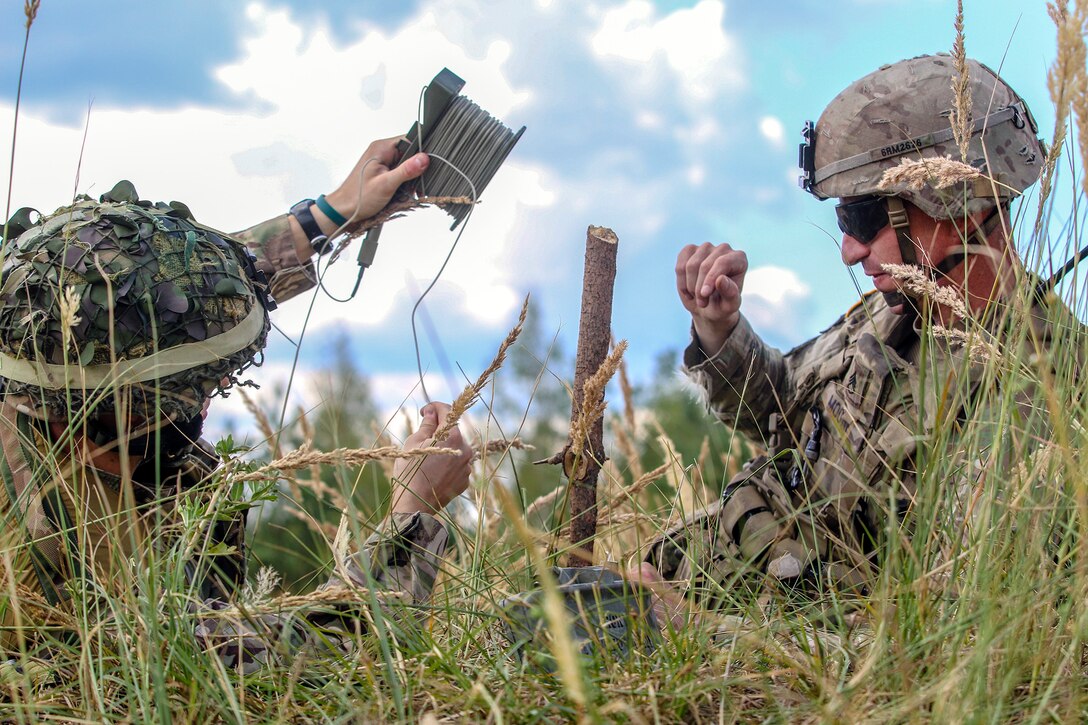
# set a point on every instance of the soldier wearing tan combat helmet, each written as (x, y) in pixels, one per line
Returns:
(841, 416)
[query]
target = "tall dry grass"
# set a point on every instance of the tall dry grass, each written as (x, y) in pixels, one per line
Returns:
(977, 615)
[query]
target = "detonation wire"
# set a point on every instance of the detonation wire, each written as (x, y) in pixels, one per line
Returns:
(471, 145)
(464, 136)
(320, 270)
(319, 276)
(434, 281)
(438, 275)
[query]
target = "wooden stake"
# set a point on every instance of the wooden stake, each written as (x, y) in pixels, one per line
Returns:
(594, 337)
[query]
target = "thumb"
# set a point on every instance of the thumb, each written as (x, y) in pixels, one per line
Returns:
(727, 288)
(406, 171)
(430, 420)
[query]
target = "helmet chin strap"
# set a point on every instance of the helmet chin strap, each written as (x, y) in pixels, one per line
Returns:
(900, 222)
(897, 217)
(977, 238)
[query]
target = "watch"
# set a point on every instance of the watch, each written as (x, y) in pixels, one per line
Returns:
(318, 239)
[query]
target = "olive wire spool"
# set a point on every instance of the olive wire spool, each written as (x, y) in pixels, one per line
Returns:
(470, 140)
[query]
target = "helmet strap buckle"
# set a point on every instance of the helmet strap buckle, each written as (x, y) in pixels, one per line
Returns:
(900, 222)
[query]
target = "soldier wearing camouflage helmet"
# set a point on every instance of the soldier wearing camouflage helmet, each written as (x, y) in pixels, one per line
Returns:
(119, 321)
(121, 303)
(842, 415)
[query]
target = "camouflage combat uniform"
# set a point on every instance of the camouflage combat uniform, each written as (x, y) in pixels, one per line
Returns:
(69, 525)
(841, 417)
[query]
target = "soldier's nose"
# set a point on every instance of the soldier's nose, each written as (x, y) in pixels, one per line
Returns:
(852, 250)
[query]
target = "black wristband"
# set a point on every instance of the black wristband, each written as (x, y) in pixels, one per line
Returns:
(318, 239)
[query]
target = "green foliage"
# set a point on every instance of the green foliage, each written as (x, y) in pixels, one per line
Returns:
(683, 418)
(293, 536)
(533, 392)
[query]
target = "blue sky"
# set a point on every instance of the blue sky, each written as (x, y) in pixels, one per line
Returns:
(671, 122)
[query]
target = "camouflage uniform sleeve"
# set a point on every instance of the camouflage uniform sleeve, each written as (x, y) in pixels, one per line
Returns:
(273, 243)
(743, 382)
(401, 558)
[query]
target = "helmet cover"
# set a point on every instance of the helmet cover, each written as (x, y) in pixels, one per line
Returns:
(902, 111)
(124, 300)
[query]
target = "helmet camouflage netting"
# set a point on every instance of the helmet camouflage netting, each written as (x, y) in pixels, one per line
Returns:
(125, 300)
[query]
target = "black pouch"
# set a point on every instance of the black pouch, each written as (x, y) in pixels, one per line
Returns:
(611, 617)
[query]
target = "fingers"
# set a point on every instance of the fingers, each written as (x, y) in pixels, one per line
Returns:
(381, 182)
(431, 418)
(411, 168)
(434, 414)
(722, 271)
(431, 413)
(645, 573)
(667, 604)
(724, 275)
(384, 151)
(429, 483)
(705, 270)
(375, 178)
(687, 296)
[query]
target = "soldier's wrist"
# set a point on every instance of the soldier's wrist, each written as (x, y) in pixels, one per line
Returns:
(711, 338)
(408, 501)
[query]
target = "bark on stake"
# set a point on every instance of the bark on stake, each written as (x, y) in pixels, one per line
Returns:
(594, 337)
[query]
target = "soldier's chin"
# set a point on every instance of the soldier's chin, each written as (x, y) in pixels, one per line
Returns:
(897, 303)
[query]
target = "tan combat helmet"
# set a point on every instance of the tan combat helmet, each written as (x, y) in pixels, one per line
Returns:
(902, 111)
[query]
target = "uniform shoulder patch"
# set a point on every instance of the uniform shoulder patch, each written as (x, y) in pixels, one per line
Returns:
(857, 305)
(850, 312)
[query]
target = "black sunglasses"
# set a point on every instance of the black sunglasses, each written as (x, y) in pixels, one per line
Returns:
(863, 219)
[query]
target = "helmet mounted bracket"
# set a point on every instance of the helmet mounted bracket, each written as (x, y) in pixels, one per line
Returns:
(806, 158)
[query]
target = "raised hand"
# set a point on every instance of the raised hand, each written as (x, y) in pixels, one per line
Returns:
(378, 176)
(709, 280)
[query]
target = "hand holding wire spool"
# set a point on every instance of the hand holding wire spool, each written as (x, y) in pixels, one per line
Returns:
(446, 159)
(464, 145)
(374, 181)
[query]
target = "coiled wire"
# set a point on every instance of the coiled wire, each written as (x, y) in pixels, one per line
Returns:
(469, 140)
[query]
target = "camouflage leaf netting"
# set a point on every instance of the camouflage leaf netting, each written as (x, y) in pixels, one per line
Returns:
(98, 284)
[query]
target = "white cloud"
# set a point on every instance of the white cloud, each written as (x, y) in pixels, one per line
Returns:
(766, 194)
(771, 128)
(650, 120)
(635, 208)
(701, 131)
(773, 298)
(691, 43)
(304, 130)
(696, 174)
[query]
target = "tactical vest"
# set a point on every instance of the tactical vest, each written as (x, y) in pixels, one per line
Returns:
(838, 453)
